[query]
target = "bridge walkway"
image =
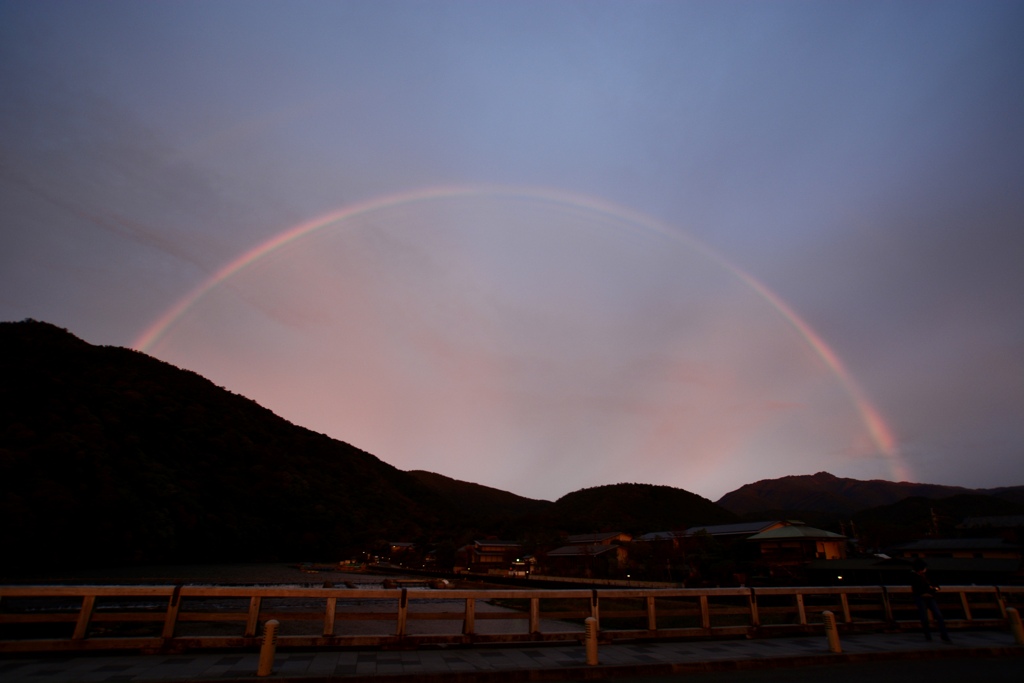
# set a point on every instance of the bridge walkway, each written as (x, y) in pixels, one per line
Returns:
(510, 663)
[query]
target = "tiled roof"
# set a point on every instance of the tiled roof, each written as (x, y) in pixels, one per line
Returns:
(958, 544)
(998, 522)
(938, 564)
(797, 531)
(582, 550)
(497, 544)
(732, 529)
(594, 538)
(661, 536)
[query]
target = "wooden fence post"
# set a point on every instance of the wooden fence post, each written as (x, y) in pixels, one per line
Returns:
(253, 620)
(831, 631)
(268, 648)
(403, 612)
(171, 618)
(755, 618)
(652, 619)
(329, 615)
(84, 615)
(469, 620)
(1015, 626)
(591, 638)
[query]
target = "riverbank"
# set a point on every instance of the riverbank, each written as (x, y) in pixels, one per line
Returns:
(227, 574)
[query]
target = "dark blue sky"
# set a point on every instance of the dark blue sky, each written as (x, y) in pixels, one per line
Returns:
(544, 245)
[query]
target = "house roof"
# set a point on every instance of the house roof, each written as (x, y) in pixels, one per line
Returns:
(797, 531)
(738, 529)
(596, 538)
(497, 544)
(940, 564)
(998, 522)
(958, 544)
(590, 550)
(661, 536)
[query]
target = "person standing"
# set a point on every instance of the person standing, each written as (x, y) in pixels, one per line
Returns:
(924, 596)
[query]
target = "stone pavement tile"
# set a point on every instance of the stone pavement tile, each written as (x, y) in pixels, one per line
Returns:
(291, 666)
(323, 664)
(16, 672)
(483, 660)
(432, 659)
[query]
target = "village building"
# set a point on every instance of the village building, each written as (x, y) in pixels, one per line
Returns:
(605, 538)
(1007, 527)
(400, 553)
(950, 561)
(488, 556)
(736, 531)
(962, 548)
(785, 552)
(600, 555)
(593, 560)
(796, 544)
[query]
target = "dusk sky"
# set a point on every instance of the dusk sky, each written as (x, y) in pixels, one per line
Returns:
(543, 246)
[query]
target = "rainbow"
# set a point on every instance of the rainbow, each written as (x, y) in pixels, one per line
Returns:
(881, 435)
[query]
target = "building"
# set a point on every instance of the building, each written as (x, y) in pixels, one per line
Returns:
(401, 553)
(492, 557)
(593, 560)
(960, 548)
(952, 561)
(737, 531)
(605, 538)
(601, 555)
(786, 551)
(1007, 527)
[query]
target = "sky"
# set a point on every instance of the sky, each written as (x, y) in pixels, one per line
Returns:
(543, 246)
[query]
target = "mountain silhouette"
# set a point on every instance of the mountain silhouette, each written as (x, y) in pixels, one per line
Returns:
(111, 457)
(826, 493)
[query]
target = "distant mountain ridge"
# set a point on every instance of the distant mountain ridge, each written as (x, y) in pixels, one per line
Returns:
(110, 456)
(636, 508)
(824, 492)
(476, 499)
(625, 507)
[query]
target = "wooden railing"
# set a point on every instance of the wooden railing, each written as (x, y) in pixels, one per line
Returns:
(178, 618)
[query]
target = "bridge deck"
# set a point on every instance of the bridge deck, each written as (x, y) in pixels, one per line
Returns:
(506, 663)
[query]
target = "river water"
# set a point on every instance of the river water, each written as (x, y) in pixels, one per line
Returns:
(207, 574)
(289, 575)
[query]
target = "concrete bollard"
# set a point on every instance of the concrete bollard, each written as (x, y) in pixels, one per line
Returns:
(831, 631)
(591, 640)
(268, 648)
(1015, 626)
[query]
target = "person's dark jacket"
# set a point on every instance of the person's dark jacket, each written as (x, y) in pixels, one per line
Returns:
(921, 586)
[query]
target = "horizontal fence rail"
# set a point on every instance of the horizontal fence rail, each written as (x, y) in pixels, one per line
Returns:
(176, 618)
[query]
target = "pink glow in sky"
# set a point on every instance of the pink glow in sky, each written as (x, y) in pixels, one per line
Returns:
(544, 245)
(491, 334)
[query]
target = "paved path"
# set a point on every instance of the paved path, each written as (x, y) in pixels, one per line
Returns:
(505, 664)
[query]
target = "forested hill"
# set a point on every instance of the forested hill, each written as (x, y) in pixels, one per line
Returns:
(108, 455)
(636, 508)
(483, 503)
(824, 492)
(631, 508)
